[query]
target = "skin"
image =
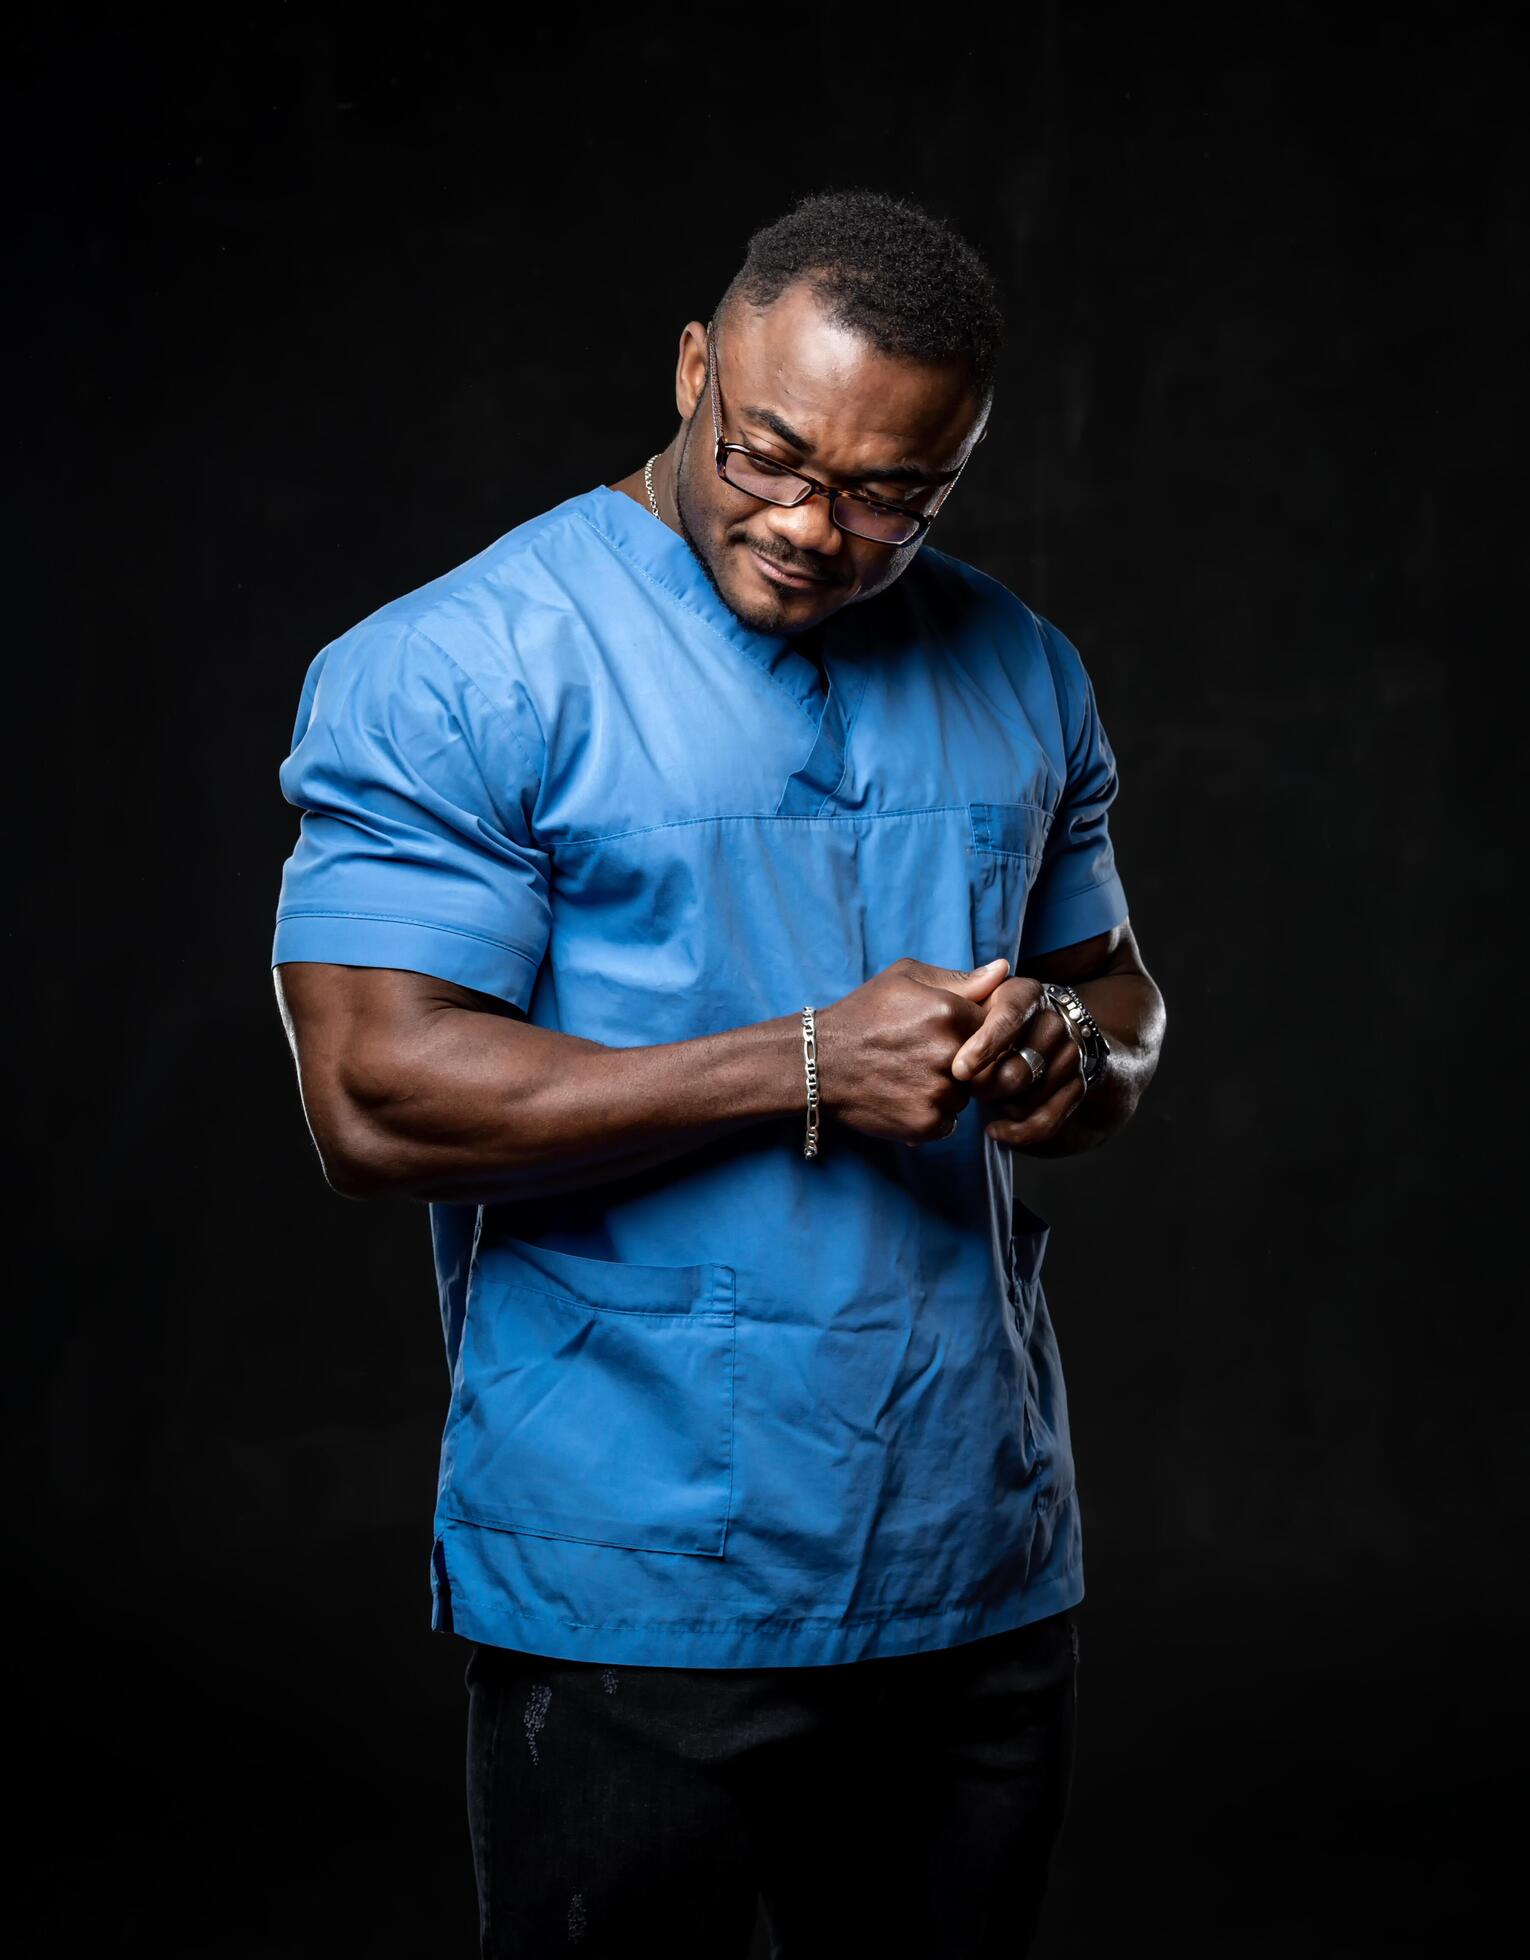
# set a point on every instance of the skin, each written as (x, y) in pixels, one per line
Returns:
(858, 410)
(415, 1087)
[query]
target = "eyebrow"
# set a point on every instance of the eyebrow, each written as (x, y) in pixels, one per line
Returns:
(894, 473)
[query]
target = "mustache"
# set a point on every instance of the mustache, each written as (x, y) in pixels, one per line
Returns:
(792, 565)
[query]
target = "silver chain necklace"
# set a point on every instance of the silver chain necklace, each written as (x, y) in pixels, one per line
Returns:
(653, 502)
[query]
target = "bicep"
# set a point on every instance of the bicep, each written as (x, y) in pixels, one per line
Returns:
(349, 1027)
(322, 1003)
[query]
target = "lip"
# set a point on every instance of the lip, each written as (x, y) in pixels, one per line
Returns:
(794, 581)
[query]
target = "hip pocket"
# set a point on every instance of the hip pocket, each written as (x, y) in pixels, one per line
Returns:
(595, 1400)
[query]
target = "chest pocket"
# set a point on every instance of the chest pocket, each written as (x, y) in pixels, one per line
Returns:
(1005, 849)
(595, 1400)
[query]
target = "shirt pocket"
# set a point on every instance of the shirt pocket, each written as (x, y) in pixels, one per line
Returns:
(595, 1400)
(1005, 847)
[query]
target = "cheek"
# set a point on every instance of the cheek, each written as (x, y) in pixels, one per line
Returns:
(876, 577)
(713, 521)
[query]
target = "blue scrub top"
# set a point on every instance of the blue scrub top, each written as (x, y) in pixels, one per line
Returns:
(747, 1409)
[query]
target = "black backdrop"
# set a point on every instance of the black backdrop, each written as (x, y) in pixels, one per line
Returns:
(313, 308)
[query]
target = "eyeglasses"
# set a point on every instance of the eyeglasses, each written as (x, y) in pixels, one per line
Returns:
(773, 483)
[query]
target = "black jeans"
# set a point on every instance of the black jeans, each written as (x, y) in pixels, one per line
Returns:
(907, 1805)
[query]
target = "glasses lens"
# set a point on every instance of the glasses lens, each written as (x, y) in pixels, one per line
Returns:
(869, 521)
(772, 482)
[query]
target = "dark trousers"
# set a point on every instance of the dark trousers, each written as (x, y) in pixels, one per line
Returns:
(907, 1805)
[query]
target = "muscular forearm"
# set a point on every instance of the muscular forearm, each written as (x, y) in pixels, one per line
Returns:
(485, 1109)
(1130, 1012)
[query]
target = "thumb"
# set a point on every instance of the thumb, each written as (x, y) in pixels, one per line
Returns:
(972, 983)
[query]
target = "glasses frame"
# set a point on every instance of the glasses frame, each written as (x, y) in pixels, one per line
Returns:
(811, 487)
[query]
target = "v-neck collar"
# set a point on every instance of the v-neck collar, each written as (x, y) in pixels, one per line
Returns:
(668, 560)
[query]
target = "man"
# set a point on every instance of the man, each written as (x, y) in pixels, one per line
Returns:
(676, 887)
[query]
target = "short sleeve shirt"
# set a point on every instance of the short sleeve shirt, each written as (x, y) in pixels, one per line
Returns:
(748, 1408)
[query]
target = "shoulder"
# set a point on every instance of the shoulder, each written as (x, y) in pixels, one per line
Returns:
(497, 600)
(484, 633)
(1029, 645)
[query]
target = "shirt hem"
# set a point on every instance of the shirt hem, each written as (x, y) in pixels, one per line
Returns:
(764, 1643)
(1073, 916)
(449, 952)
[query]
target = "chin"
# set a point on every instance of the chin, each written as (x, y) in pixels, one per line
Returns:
(783, 617)
(757, 618)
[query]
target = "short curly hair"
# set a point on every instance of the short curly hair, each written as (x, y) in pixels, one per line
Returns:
(883, 268)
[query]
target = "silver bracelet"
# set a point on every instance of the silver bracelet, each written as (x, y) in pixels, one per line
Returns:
(1093, 1048)
(810, 1062)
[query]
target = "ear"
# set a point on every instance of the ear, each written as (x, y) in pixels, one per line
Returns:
(690, 369)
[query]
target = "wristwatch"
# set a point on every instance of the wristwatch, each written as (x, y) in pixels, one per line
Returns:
(1083, 1027)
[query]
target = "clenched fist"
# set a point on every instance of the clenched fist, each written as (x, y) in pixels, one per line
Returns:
(1021, 1108)
(885, 1051)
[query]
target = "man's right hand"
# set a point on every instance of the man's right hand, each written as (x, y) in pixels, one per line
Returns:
(885, 1050)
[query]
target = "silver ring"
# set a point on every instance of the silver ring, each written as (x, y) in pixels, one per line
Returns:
(1035, 1063)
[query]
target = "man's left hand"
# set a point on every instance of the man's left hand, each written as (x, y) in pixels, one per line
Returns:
(1020, 1111)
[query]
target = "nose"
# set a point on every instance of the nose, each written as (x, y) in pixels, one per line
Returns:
(807, 537)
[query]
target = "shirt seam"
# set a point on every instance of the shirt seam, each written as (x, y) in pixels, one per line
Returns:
(496, 708)
(773, 1624)
(766, 816)
(704, 1316)
(399, 919)
(1061, 898)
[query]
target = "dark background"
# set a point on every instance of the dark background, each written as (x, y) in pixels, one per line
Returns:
(311, 310)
